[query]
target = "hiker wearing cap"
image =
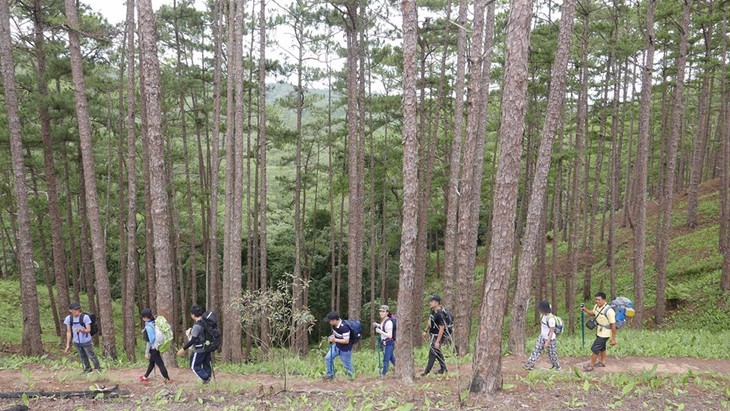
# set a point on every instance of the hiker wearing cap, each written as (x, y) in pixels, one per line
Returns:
(152, 354)
(200, 361)
(605, 319)
(387, 330)
(436, 328)
(340, 346)
(78, 330)
(547, 339)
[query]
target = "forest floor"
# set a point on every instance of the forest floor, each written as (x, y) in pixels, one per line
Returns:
(626, 383)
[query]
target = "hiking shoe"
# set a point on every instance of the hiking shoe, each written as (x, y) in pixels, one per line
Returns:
(425, 373)
(558, 368)
(88, 371)
(600, 364)
(588, 368)
(442, 371)
(142, 378)
(206, 381)
(167, 381)
(527, 367)
(328, 377)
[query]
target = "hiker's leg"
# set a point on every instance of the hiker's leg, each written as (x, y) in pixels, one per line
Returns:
(89, 348)
(156, 357)
(431, 357)
(553, 353)
(603, 356)
(83, 356)
(387, 357)
(392, 356)
(346, 358)
(440, 358)
(150, 364)
(196, 364)
(598, 345)
(536, 351)
(207, 364)
(329, 361)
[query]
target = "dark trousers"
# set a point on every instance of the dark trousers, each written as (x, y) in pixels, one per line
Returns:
(156, 359)
(200, 364)
(435, 354)
(86, 352)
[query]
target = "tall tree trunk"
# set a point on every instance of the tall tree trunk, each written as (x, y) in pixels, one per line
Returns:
(356, 179)
(452, 202)
(212, 285)
(164, 286)
(74, 262)
(641, 167)
(472, 172)
(409, 234)
(87, 155)
(537, 202)
(700, 143)
(132, 258)
(265, 326)
(59, 255)
(86, 253)
(725, 168)
(671, 165)
(487, 362)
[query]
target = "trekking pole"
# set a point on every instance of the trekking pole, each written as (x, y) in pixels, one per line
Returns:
(332, 358)
(583, 326)
(380, 365)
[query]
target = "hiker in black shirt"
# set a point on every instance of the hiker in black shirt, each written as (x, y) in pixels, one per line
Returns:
(340, 346)
(437, 332)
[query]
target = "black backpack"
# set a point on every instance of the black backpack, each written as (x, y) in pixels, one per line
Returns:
(355, 330)
(394, 320)
(211, 331)
(449, 320)
(93, 324)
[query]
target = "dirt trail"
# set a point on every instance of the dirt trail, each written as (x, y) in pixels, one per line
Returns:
(262, 388)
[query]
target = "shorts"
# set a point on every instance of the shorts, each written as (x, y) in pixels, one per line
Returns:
(599, 345)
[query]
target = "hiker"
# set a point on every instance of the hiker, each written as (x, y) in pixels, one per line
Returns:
(387, 330)
(200, 358)
(340, 346)
(78, 329)
(547, 339)
(605, 318)
(152, 352)
(438, 336)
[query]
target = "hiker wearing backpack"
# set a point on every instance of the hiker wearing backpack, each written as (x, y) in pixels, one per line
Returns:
(79, 330)
(340, 346)
(439, 332)
(154, 338)
(387, 331)
(548, 337)
(604, 322)
(200, 358)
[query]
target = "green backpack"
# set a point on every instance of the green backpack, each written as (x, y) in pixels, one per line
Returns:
(163, 334)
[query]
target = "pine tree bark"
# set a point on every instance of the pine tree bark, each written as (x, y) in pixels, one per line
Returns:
(164, 286)
(265, 326)
(106, 316)
(213, 276)
(700, 143)
(537, 202)
(32, 344)
(724, 240)
(472, 172)
(409, 234)
(671, 165)
(640, 172)
(132, 258)
(59, 254)
(452, 201)
(487, 362)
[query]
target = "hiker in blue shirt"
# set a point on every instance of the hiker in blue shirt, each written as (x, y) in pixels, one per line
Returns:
(152, 354)
(340, 346)
(78, 330)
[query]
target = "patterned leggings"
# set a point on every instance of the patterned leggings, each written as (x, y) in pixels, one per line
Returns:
(552, 352)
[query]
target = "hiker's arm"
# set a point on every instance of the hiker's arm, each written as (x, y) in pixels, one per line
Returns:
(613, 334)
(87, 327)
(345, 340)
(68, 336)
